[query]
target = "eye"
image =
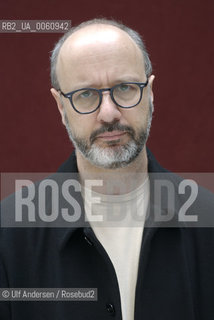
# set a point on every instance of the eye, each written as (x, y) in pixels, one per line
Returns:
(124, 87)
(85, 94)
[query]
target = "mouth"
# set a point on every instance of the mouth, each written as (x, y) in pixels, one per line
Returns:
(111, 136)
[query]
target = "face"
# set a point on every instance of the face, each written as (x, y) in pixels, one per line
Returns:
(101, 57)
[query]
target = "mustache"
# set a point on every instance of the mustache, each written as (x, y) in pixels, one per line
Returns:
(111, 127)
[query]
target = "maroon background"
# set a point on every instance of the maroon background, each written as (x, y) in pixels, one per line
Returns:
(179, 37)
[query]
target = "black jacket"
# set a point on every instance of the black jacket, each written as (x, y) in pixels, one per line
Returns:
(175, 277)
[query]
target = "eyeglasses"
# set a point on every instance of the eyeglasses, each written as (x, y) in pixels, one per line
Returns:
(124, 95)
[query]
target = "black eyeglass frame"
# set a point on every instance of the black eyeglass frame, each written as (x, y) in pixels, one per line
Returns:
(69, 95)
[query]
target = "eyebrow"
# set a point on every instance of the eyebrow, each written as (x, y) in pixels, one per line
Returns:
(129, 79)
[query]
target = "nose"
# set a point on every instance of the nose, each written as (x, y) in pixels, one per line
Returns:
(108, 111)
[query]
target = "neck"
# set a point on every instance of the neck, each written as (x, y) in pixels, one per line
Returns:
(114, 181)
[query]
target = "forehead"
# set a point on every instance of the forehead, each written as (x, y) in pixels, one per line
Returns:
(98, 49)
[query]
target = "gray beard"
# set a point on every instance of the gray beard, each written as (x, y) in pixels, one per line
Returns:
(112, 157)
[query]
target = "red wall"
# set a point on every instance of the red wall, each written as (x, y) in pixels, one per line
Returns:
(179, 36)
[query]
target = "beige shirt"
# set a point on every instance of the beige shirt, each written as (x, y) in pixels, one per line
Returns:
(121, 239)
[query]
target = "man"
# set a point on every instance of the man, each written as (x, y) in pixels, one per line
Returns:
(102, 84)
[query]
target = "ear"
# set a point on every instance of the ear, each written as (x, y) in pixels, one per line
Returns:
(58, 100)
(151, 79)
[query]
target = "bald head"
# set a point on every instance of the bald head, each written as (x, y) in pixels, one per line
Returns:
(97, 32)
(96, 47)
